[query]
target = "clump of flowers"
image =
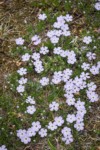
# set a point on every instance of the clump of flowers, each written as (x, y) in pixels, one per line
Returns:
(3, 147)
(65, 78)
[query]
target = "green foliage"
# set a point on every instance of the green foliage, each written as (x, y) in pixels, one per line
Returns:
(51, 146)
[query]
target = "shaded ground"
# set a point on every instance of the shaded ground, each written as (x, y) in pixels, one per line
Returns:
(15, 16)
